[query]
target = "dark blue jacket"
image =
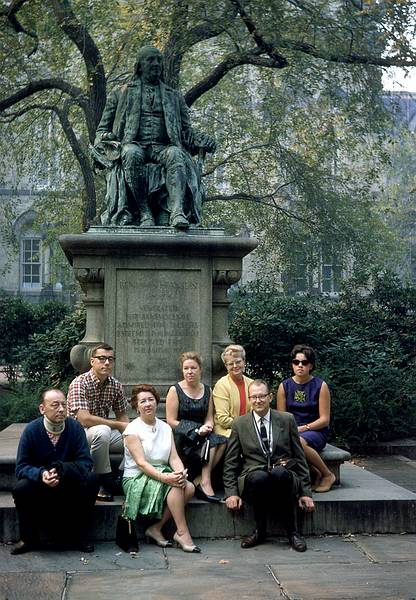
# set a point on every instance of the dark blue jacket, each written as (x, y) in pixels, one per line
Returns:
(36, 453)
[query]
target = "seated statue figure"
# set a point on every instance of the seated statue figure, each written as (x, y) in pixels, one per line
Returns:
(145, 141)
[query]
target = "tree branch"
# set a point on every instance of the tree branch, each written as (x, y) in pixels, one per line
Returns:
(14, 23)
(182, 38)
(76, 146)
(231, 61)
(84, 163)
(350, 58)
(89, 51)
(12, 116)
(234, 155)
(44, 84)
(264, 46)
(258, 200)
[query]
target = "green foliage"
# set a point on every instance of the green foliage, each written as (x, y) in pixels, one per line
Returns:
(365, 344)
(17, 405)
(40, 337)
(297, 138)
(46, 361)
(19, 320)
(16, 324)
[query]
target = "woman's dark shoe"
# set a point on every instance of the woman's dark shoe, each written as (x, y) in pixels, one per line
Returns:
(84, 546)
(199, 493)
(104, 495)
(297, 542)
(254, 539)
(22, 547)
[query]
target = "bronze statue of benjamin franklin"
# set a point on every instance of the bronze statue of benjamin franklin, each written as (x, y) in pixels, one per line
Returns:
(145, 141)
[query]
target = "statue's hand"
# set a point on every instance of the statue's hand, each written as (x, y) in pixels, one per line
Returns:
(109, 136)
(205, 142)
(208, 143)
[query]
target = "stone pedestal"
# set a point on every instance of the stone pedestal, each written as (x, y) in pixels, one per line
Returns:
(154, 293)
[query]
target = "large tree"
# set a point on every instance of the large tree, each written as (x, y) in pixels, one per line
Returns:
(289, 87)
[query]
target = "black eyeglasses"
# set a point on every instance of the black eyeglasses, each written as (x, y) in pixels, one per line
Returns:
(303, 363)
(104, 359)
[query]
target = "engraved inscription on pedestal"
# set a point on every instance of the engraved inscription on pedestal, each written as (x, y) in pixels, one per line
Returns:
(158, 316)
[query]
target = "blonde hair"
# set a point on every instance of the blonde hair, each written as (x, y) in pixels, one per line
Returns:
(190, 356)
(233, 349)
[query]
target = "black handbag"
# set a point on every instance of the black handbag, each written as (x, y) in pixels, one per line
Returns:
(204, 452)
(126, 536)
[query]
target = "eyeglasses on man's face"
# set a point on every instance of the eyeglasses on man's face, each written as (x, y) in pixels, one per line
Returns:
(259, 397)
(104, 359)
(303, 363)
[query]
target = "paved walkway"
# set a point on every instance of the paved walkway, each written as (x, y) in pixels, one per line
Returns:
(398, 469)
(334, 568)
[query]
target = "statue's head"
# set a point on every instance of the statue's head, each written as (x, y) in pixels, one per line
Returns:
(149, 64)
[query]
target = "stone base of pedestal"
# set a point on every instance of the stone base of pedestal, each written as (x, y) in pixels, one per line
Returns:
(153, 293)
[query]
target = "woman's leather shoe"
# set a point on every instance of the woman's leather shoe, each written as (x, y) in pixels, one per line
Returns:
(297, 542)
(159, 542)
(85, 546)
(252, 540)
(21, 548)
(199, 493)
(186, 547)
(104, 495)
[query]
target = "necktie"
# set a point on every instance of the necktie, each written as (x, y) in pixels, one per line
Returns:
(263, 436)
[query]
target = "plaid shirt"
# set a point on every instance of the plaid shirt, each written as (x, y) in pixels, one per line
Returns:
(88, 393)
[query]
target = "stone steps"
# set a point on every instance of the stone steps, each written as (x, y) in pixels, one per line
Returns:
(364, 503)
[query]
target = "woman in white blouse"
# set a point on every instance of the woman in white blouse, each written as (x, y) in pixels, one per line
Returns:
(155, 481)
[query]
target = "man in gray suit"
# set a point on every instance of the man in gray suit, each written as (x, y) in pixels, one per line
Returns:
(145, 122)
(266, 467)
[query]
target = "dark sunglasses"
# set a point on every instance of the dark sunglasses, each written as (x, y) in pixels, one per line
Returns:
(297, 362)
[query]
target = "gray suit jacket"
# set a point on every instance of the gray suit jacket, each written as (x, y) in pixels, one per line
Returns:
(244, 453)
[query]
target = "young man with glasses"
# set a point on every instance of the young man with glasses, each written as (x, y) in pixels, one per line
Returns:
(266, 467)
(90, 398)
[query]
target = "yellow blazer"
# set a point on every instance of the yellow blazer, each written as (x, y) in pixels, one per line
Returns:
(227, 403)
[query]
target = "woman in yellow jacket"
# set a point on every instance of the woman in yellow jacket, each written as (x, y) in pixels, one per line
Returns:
(230, 393)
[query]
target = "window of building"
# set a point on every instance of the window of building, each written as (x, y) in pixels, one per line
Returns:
(31, 263)
(331, 273)
(300, 273)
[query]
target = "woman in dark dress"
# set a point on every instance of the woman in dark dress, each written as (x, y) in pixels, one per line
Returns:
(308, 399)
(190, 413)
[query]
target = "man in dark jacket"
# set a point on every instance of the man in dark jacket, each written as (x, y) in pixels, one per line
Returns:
(265, 465)
(56, 491)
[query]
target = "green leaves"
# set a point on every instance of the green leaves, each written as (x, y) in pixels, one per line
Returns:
(365, 346)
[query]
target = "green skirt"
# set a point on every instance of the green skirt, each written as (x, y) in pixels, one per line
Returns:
(145, 495)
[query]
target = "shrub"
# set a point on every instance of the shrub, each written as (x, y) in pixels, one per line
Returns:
(16, 324)
(47, 358)
(45, 363)
(18, 321)
(18, 405)
(366, 350)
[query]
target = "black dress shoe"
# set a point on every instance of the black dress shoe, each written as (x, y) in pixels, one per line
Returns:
(104, 495)
(85, 547)
(297, 542)
(199, 493)
(22, 547)
(254, 539)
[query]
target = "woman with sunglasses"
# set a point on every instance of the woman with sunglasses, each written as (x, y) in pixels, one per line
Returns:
(308, 399)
